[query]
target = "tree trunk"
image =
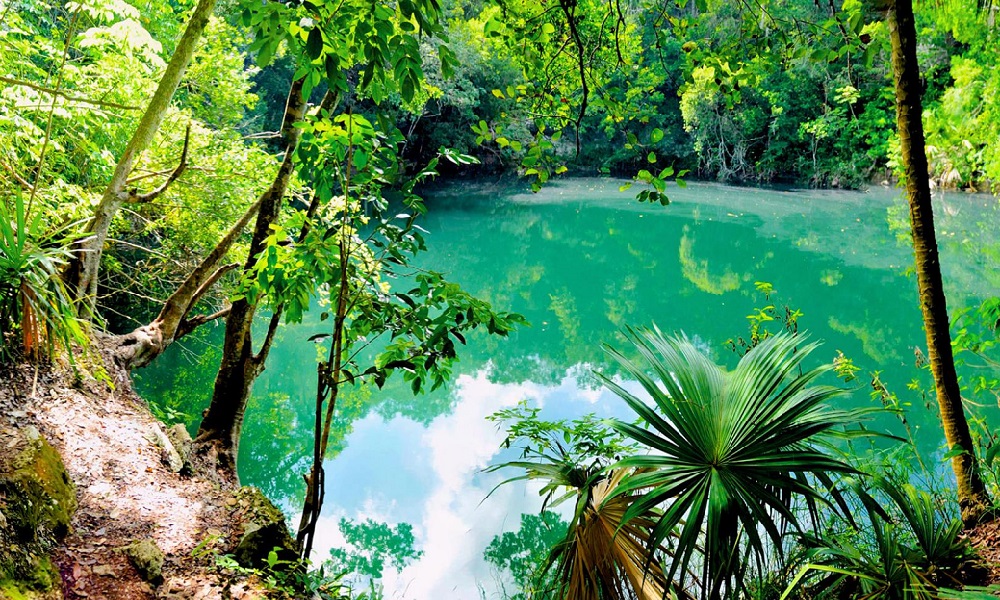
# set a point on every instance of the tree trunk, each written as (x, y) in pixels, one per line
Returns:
(219, 432)
(82, 273)
(972, 496)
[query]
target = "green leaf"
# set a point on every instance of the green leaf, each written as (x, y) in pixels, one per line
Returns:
(360, 159)
(400, 364)
(492, 28)
(266, 54)
(314, 43)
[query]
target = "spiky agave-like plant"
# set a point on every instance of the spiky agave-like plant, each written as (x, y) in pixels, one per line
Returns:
(732, 455)
(910, 549)
(33, 300)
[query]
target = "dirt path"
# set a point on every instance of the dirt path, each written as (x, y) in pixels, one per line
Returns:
(125, 491)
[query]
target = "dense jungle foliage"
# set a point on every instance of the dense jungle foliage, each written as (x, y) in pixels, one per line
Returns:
(801, 95)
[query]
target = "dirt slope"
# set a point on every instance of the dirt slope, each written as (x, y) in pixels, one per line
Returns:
(125, 490)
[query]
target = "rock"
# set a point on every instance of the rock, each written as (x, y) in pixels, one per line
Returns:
(183, 444)
(264, 530)
(147, 558)
(169, 456)
(38, 472)
(37, 501)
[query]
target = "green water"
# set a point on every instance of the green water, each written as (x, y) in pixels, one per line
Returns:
(581, 260)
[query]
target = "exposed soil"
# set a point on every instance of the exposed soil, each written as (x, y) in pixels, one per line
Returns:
(125, 491)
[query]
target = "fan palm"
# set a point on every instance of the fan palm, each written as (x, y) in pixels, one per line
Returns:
(733, 456)
(604, 557)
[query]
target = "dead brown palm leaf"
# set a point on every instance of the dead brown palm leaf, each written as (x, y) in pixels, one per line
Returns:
(602, 559)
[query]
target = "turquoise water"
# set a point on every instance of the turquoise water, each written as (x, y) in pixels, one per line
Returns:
(580, 261)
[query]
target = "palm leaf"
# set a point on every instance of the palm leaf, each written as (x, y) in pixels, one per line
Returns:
(605, 557)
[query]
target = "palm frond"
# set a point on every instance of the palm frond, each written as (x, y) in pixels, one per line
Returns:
(732, 456)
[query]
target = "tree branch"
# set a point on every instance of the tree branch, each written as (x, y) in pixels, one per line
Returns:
(138, 178)
(21, 180)
(137, 247)
(160, 173)
(265, 347)
(133, 196)
(328, 104)
(70, 97)
(189, 325)
(569, 9)
(83, 271)
(180, 302)
(207, 285)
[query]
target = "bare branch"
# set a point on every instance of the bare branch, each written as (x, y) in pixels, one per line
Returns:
(21, 180)
(263, 135)
(149, 174)
(135, 197)
(137, 178)
(137, 247)
(265, 347)
(207, 285)
(70, 97)
(189, 325)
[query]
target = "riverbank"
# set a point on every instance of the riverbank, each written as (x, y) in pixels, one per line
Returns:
(141, 527)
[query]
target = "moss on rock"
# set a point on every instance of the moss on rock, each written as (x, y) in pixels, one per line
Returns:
(147, 558)
(37, 502)
(264, 530)
(39, 472)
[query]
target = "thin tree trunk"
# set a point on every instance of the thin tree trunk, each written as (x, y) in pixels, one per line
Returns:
(972, 497)
(219, 432)
(82, 274)
(327, 384)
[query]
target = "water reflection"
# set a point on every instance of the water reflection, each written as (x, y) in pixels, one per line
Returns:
(580, 261)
